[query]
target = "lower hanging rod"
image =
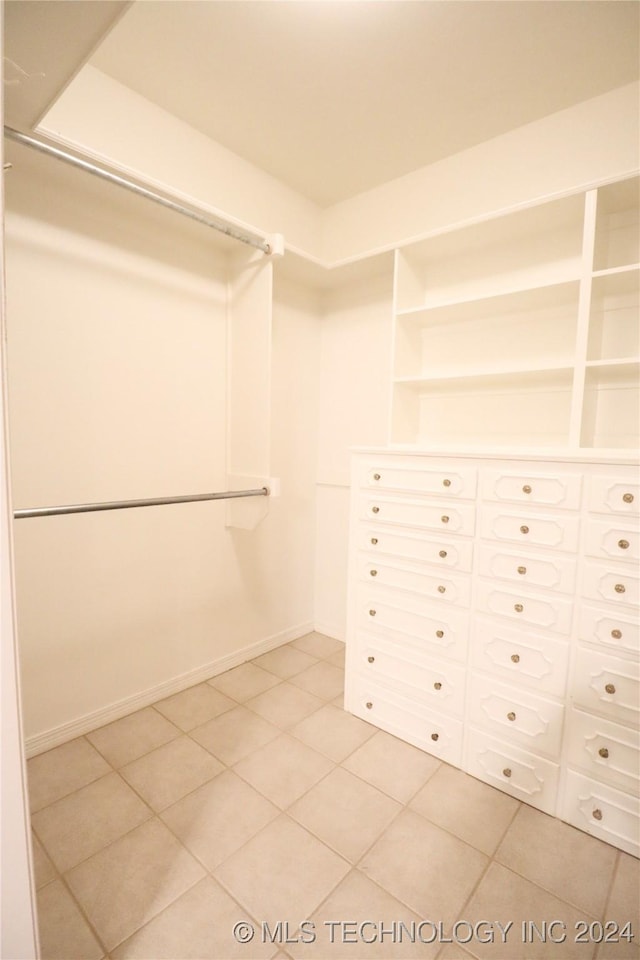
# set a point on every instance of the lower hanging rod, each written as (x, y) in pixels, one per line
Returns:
(128, 504)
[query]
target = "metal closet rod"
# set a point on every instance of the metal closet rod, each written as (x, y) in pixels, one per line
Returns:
(128, 504)
(260, 243)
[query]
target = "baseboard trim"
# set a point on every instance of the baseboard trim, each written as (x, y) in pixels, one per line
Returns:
(41, 742)
(330, 630)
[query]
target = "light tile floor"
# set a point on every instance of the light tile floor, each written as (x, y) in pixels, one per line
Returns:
(255, 798)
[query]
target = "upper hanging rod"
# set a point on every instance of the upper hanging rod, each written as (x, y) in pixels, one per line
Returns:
(210, 221)
(128, 504)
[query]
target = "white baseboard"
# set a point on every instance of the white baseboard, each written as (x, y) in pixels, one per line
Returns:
(333, 630)
(41, 742)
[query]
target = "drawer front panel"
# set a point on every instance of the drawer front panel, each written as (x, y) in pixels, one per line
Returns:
(615, 495)
(551, 613)
(513, 770)
(555, 572)
(602, 811)
(535, 660)
(608, 685)
(602, 582)
(616, 541)
(442, 587)
(598, 625)
(454, 553)
(605, 750)
(559, 532)
(454, 480)
(441, 517)
(410, 619)
(551, 490)
(404, 718)
(519, 715)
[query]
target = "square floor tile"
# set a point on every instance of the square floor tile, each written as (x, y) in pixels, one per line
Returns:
(567, 862)
(338, 658)
(193, 707)
(345, 812)
(235, 734)
(395, 767)
(243, 682)
(170, 772)
(322, 680)
(131, 737)
(426, 868)
(283, 770)
(77, 826)
(284, 705)
(124, 886)
(333, 732)
(43, 869)
(197, 926)
(218, 818)
(473, 811)
(285, 661)
(282, 874)
(63, 770)
(318, 645)
(64, 933)
(623, 908)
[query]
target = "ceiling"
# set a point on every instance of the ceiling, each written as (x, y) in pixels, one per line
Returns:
(334, 97)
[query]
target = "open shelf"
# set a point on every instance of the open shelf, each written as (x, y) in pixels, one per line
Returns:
(611, 407)
(617, 240)
(614, 324)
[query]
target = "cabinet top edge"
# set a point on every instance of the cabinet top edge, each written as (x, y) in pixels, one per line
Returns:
(467, 453)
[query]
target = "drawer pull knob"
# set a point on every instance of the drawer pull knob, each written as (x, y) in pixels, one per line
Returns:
(610, 688)
(371, 659)
(604, 753)
(524, 528)
(376, 476)
(435, 736)
(628, 497)
(616, 634)
(623, 544)
(369, 705)
(511, 716)
(437, 685)
(506, 772)
(515, 658)
(442, 554)
(446, 483)
(526, 488)
(597, 814)
(445, 519)
(375, 509)
(620, 588)
(518, 607)
(373, 573)
(522, 570)
(372, 613)
(374, 540)
(441, 589)
(440, 634)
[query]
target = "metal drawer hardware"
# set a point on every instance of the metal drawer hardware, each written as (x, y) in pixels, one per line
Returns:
(445, 519)
(526, 488)
(376, 476)
(371, 659)
(446, 483)
(375, 509)
(515, 658)
(609, 688)
(373, 573)
(442, 554)
(623, 544)
(374, 540)
(440, 634)
(620, 588)
(506, 772)
(441, 589)
(524, 528)
(518, 607)
(603, 752)
(511, 715)
(522, 570)
(372, 613)
(368, 705)
(628, 497)
(597, 814)
(435, 736)
(616, 634)
(437, 685)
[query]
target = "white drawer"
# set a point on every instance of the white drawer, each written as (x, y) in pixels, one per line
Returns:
(607, 684)
(598, 625)
(615, 494)
(412, 619)
(451, 552)
(618, 584)
(618, 541)
(554, 572)
(527, 658)
(407, 719)
(436, 478)
(545, 489)
(540, 530)
(443, 517)
(605, 750)
(523, 607)
(512, 712)
(602, 811)
(512, 770)
(438, 684)
(443, 586)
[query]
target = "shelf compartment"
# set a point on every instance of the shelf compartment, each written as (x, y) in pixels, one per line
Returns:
(614, 325)
(539, 245)
(611, 408)
(617, 240)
